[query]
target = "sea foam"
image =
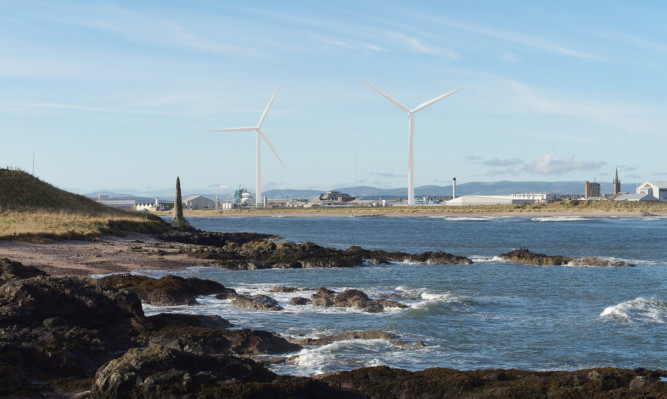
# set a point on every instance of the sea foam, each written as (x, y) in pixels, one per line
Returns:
(642, 310)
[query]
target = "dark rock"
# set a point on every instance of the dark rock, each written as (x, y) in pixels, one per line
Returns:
(82, 301)
(524, 256)
(54, 322)
(158, 372)
(213, 341)
(323, 297)
(299, 301)
(256, 302)
(182, 319)
(385, 382)
(284, 289)
(10, 270)
(387, 303)
(348, 335)
(166, 291)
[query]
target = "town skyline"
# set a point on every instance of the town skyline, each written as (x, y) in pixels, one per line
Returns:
(120, 96)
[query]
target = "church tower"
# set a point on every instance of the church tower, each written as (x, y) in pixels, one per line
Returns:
(616, 184)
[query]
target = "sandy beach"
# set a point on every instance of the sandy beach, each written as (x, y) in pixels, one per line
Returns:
(109, 254)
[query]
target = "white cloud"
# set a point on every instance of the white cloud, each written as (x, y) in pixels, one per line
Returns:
(547, 164)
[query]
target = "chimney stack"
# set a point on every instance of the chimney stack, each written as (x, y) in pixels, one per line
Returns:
(454, 188)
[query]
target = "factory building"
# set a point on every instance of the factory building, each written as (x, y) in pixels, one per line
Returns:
(656, 189)
(194, 202)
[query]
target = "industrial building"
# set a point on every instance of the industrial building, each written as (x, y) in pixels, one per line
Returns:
(656, 189)
(195, 202)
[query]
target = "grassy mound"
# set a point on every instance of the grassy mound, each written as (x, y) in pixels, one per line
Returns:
(33, 210)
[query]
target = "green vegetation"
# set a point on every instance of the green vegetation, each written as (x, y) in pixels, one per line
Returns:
(33, 210)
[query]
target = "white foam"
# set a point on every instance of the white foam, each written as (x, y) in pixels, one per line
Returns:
(650, 310)
(559, 219)
(472, 218)
(486, 259)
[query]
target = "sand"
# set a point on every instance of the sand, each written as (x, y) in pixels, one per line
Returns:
(108, 255)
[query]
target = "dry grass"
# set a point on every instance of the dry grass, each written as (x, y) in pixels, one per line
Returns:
(45, 226)
(609, 207)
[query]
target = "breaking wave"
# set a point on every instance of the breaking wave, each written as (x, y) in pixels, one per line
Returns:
(641, 310)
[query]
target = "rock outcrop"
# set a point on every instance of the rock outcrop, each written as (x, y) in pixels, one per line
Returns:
(256, 302)
(523, 255)
(167, 291)
(351, 299)
(348, 335)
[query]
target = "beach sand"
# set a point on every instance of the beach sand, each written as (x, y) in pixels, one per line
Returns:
(109, 254)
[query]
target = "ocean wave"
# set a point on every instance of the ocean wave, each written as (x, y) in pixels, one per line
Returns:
(641, 310)
(560, 219)
(472, 218)
(486, 259)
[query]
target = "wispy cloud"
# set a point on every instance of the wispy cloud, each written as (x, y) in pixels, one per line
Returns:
(418, 46)
(531, 41)
(547, 164)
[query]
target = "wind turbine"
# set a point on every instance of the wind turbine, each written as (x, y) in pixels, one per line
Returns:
(411, 116)
(260, 132)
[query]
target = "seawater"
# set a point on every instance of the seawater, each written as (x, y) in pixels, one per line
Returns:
(492, 314)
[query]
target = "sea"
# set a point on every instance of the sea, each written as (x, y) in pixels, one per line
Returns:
(491, 314)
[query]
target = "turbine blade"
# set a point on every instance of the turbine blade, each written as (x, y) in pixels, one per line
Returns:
(236, 129)
(435, 100)
(266, 111)
(259, 129)
(385, 95)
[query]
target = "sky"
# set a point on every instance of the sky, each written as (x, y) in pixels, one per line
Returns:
(121, 95)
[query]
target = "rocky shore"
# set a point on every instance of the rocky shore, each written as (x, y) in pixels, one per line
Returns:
(82, 337)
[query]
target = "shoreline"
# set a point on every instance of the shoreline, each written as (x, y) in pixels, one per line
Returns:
(360, 212)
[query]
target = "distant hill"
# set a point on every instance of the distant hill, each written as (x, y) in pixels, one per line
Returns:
(367, 192)
(472, 188)
(21, 191)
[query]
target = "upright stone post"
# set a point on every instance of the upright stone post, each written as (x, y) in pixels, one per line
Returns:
(177, 220)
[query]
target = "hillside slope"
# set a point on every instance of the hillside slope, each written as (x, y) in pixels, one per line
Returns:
(33, 210)
(20, 191)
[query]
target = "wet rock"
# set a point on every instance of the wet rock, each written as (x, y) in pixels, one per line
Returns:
(166, 291)
(299, 301)
(256, 302)
(348, 335)
(386, 382)
(387, 303)
(357, 299)
(323, 297)
(284, 289)
(162, 320)
(158, 372)
(524, 256)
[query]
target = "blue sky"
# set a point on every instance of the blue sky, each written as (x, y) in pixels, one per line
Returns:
(121, 95)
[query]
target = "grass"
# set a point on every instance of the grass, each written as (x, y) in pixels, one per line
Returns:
(32, 210)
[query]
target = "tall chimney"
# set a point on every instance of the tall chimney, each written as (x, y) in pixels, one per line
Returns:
(454, 188)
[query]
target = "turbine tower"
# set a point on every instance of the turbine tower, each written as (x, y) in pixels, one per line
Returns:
(411, 116)
(260, 132)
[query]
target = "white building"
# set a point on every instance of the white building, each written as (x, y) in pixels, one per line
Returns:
(657, 189)
(148, 206)
(635, 197)
(194, 202)
(488, 200)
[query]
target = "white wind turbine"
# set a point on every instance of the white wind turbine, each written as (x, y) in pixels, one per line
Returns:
(260, 132)
(411, 115)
